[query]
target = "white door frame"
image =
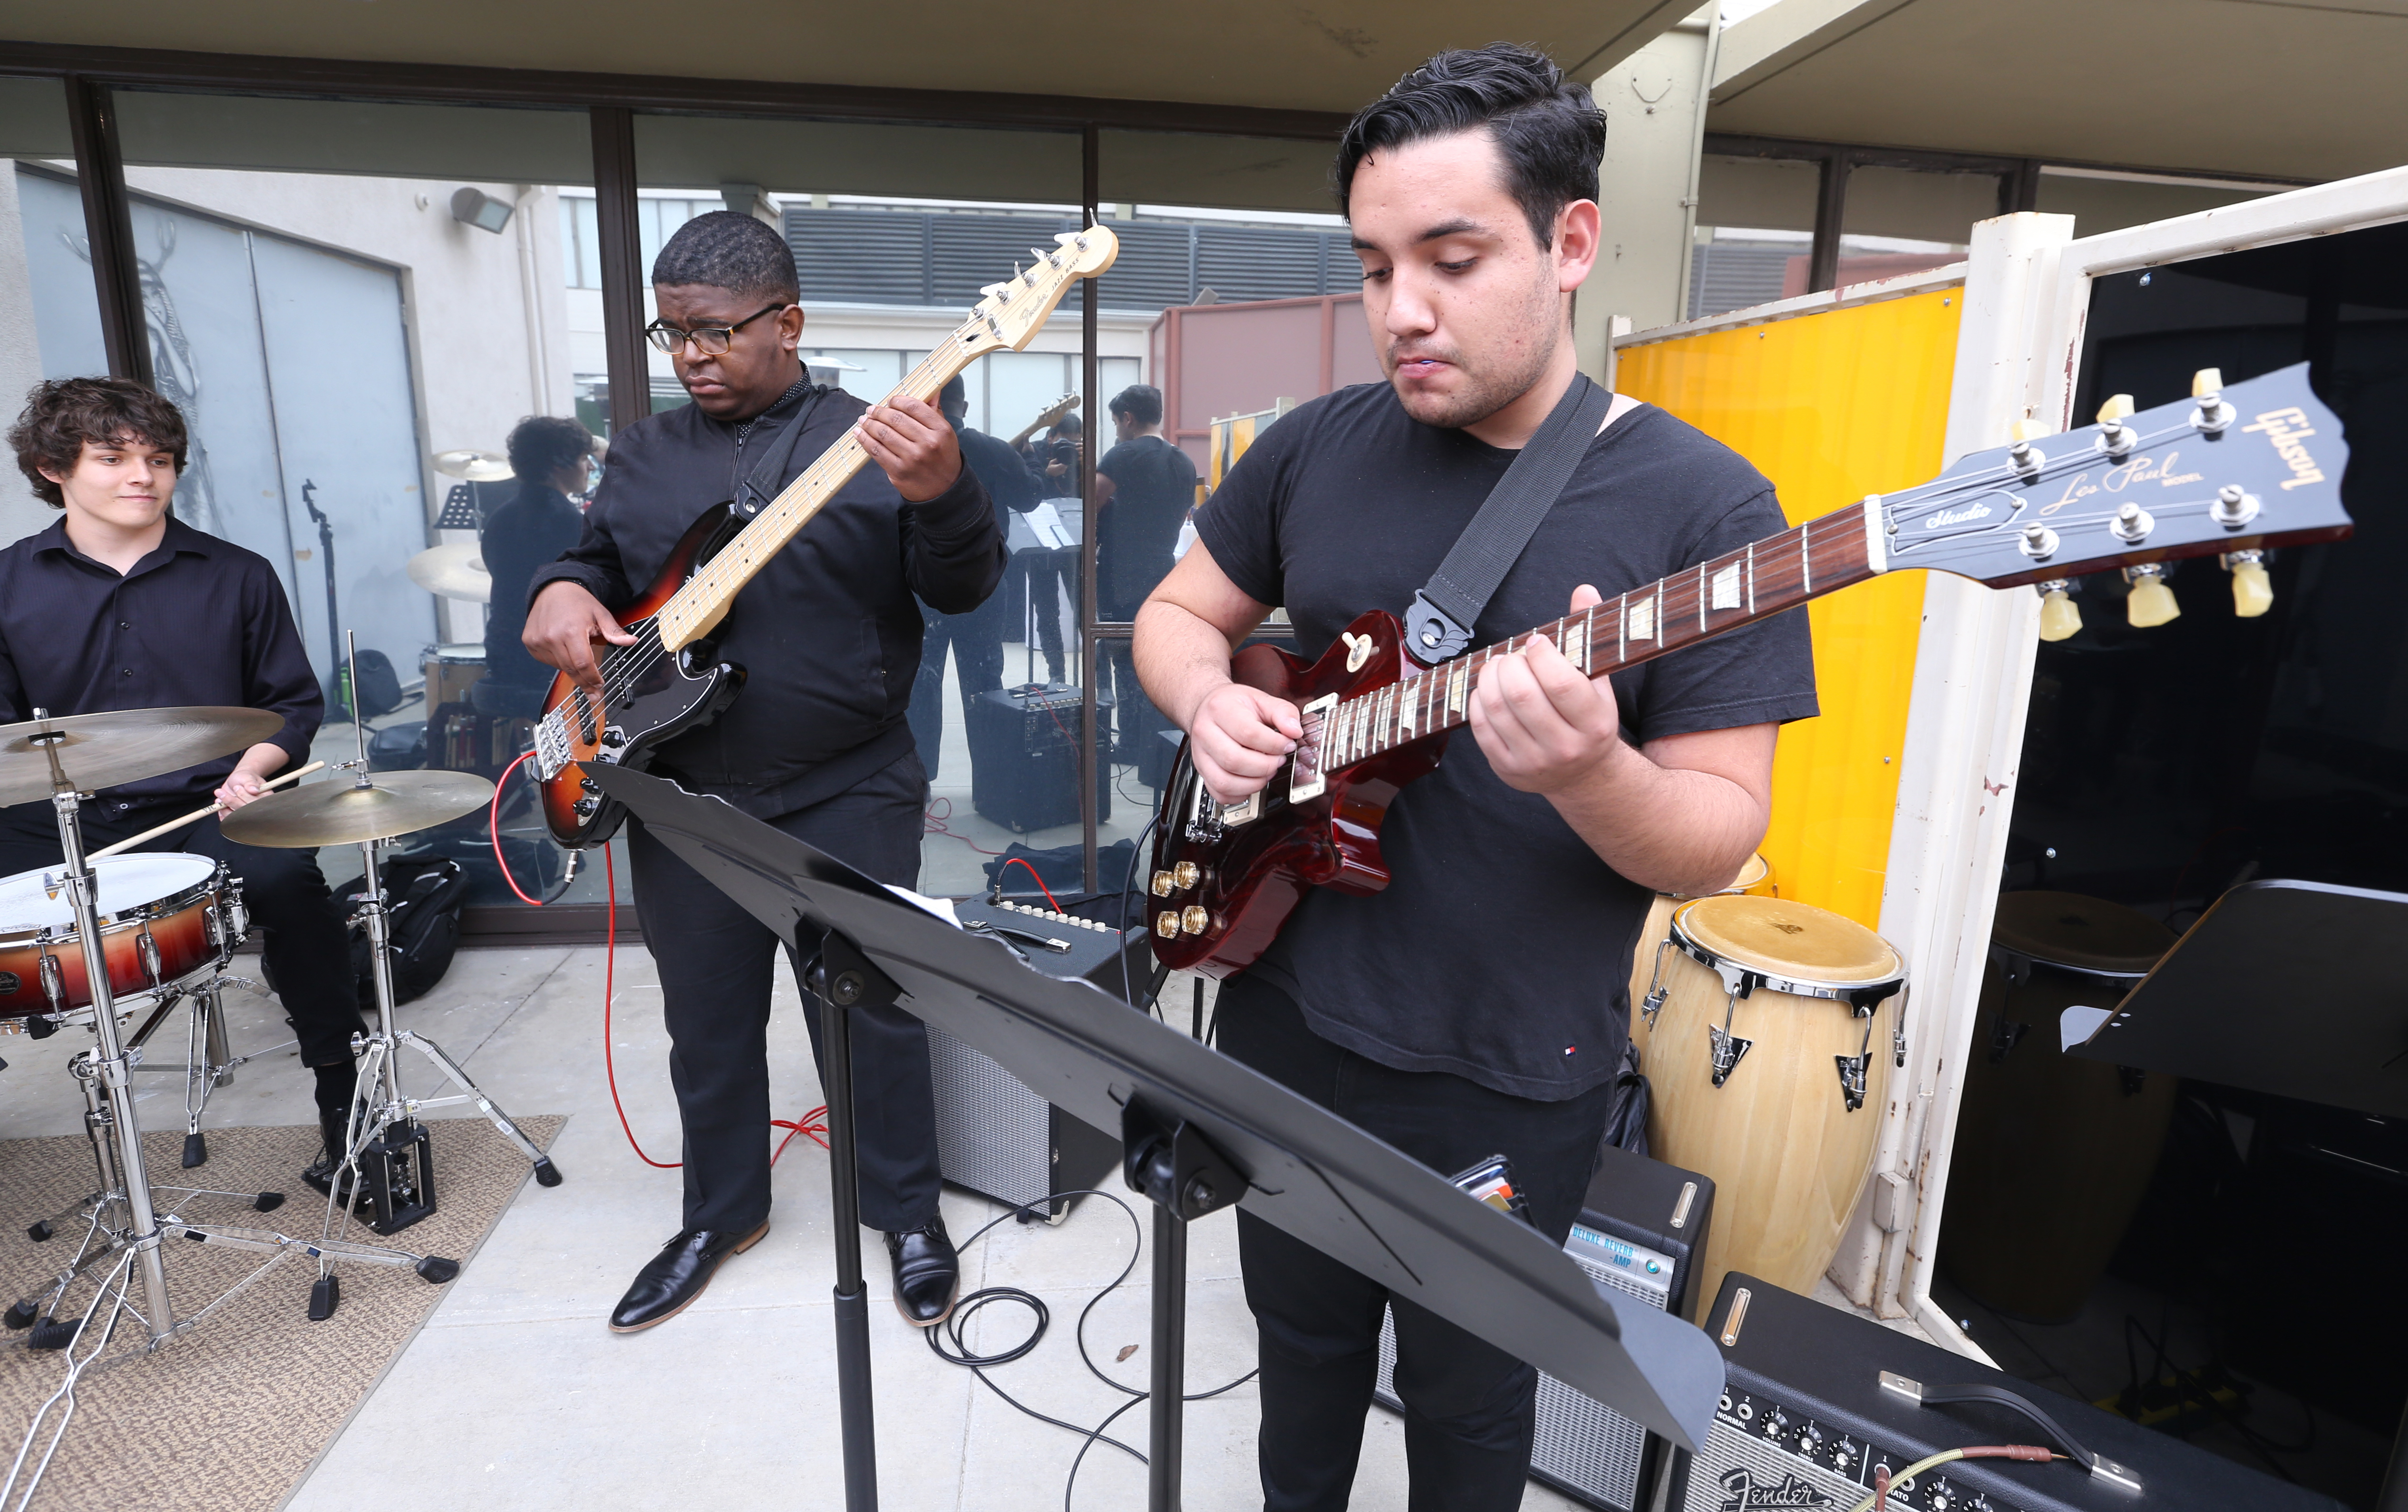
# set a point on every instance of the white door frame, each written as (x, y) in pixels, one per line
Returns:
(2027, 297)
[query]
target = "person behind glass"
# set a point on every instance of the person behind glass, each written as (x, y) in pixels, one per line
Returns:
(1054, 458)
(121, 606)
(817, 743)
(1144, 487)
(1477, 1006)
(976, 637)
(554, 459)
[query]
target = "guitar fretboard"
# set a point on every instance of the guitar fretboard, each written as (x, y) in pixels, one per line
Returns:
(1757, 582)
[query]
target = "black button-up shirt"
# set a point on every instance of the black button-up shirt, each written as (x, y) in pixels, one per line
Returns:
(826, 631)
(197, 621)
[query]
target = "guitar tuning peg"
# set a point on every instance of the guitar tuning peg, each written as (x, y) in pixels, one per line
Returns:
(2117, 437)
(2151, 603)
(2059, 616)
(2253, 593)
(2213, 414)
(2026, 457)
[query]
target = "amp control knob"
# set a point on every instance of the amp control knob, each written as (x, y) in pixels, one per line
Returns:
(1980, 1503)
(1810, 1439)
(1943, 1497)
(1843, 1454)
(1775, 1421)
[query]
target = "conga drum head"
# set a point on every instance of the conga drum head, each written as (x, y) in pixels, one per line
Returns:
(1755, 876)
(1785, 942)
(2088, 935)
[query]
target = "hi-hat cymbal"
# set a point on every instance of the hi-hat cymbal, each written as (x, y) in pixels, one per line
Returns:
(343, 812)
(102, 750)
(476, 466)
(454, 571)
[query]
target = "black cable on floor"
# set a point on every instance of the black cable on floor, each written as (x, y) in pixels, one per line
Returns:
(965, 1307)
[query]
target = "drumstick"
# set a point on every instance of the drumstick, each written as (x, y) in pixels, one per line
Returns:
(296, 775)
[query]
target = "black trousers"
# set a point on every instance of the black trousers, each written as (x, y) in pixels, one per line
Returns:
(308, 938)
(715, 961)
(977, 642)
(1470, 1408)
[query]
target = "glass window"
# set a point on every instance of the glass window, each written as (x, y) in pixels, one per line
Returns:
(894, 230)
(1754, 232)
(1901, 220)
(356, 303)
(50, 315)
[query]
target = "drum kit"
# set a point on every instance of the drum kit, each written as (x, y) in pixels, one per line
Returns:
(1768, 1031)
(103, 938)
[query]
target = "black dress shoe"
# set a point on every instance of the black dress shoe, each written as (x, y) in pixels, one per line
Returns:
(927, 1273)
(672, 1279)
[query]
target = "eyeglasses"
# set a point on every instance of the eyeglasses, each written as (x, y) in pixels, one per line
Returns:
(711, 341)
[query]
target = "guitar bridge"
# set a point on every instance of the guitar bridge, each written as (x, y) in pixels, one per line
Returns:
(551, 749)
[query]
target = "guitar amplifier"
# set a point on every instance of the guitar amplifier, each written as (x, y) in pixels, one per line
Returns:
(1641, 1231)
(1024, 756)
(994, 1135)
(1816, 1398)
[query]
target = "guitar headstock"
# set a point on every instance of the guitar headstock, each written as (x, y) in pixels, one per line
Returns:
(1056, 411)
(1011, 313)
(2230, 473)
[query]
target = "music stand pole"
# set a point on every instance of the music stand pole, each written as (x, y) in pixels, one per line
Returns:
(1166, 1428)
(841, 985)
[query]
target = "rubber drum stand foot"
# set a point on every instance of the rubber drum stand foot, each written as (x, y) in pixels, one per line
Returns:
(325, 1295)
(196, 1150)
(546, 1174)
(437, 1270)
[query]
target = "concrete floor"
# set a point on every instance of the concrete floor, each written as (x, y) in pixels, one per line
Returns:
(515, 1394)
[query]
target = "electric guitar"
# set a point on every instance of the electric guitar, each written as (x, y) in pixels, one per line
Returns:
(670, 680)
(2231, 474)
(1051, 413)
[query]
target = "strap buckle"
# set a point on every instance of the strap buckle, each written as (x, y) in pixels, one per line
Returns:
(1433, 635)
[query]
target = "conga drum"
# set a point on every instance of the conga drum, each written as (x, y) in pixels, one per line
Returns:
(2053, 1152)
(1769, 1067)
(1754, 878)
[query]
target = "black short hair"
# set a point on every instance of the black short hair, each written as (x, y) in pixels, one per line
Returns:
(1549, 131)
(1140, 401)
(722, 250)
(62, 414)
(541, 445)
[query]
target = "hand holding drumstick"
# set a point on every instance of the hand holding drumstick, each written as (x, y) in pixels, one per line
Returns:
(198, 814)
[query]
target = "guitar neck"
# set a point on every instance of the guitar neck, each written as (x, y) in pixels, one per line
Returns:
(1754, 583)
(704, 600)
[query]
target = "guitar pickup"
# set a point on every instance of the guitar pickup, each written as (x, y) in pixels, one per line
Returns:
(1305, 778)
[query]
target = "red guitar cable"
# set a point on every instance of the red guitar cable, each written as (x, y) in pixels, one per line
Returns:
(811, 1123)
(1022, 863)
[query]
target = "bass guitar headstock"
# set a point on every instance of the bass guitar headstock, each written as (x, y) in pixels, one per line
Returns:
(2231, 474)
(1009, 314)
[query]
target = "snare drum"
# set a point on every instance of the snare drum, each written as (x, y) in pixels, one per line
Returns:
(1754, 879)
(164, 920)
(1768, 1070)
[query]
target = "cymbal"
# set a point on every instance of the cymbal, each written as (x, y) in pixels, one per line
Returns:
(475, 465)
(454, 571)
(345, 812)
(101, 750)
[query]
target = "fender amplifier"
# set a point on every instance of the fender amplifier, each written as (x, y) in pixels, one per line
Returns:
(1641, 1228)
(1024, 756)
(994, 1135)
(1817, 1398)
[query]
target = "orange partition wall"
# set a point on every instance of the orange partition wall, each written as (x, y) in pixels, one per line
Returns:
(1832, 406)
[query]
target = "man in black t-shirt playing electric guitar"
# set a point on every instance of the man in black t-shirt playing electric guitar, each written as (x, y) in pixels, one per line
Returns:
(1477, 1004)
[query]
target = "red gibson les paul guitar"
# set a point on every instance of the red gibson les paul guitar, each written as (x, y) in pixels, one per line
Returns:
(2259, 465)
(670, 681)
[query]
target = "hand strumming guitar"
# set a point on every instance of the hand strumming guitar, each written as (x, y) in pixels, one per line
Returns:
(563, 625)
(1238, 737)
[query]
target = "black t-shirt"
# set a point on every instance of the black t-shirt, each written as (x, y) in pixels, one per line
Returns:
(1500, 949)
(1153, 486)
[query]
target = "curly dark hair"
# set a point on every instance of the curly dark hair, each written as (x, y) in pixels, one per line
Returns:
(1549, 130)
(541, 445)
(62, 414)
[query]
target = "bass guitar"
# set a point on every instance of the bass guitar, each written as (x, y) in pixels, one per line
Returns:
(670, 680)
(2232, 475)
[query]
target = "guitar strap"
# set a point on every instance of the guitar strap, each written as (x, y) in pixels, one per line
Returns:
(768, 475)
(1438, 625)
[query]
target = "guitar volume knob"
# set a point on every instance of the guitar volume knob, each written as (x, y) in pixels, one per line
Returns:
(1194, 920)
(1166, 924)
(1163, 884)
(1186, 874)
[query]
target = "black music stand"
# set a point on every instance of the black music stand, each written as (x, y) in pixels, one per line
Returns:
(1198, 1129)
(2282, 987)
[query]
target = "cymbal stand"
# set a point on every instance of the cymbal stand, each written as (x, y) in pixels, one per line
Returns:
(395, 1170)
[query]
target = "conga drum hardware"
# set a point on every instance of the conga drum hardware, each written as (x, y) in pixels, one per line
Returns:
(1754, 879)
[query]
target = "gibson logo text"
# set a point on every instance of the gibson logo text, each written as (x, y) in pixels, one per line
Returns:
(2286, 429)
(1743, 1494)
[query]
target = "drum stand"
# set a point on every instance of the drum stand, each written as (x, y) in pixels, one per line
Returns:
(388, 1158)
(122, 1226)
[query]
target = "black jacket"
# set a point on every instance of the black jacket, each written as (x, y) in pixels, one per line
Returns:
(828, 631)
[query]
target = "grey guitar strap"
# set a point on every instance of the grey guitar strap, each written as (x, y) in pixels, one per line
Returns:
(1438, 625)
